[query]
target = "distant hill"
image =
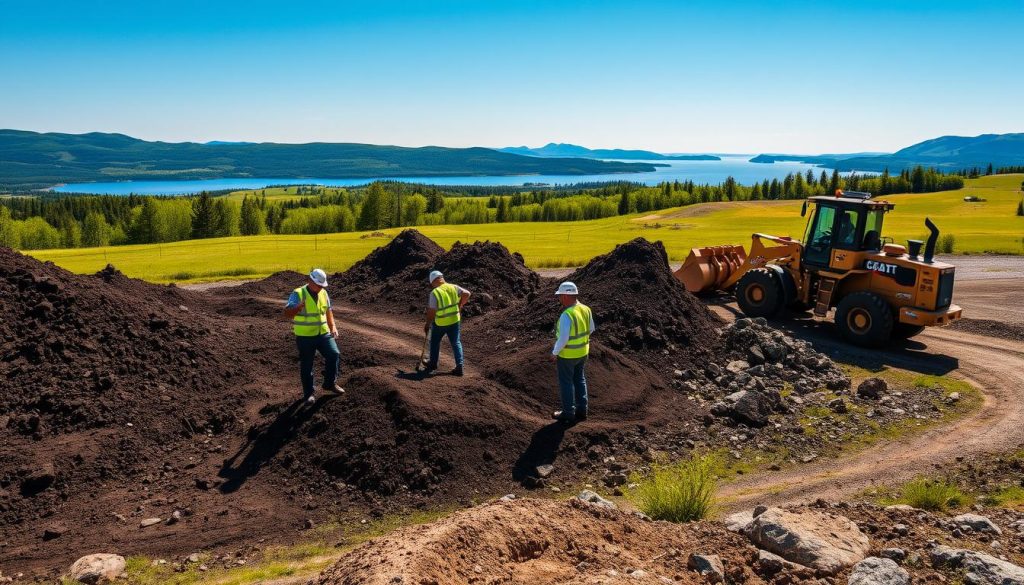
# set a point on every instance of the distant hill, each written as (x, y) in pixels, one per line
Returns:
(945, 152)
(571, 150)
(33, 160)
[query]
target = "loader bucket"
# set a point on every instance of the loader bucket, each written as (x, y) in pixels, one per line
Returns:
(707, 268)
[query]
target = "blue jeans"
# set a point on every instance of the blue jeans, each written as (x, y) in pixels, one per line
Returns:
(308, 346)
(454, 336)
(572, 383)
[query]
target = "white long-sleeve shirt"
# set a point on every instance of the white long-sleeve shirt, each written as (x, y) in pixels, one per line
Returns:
(565, 330)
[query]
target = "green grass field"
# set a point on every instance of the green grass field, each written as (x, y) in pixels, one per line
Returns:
(987, 227)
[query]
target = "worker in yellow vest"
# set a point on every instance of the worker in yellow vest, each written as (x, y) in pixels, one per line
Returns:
(572, 346)
(444, 316)
(309, 308)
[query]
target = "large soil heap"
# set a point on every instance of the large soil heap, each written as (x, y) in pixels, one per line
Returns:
(497, 277)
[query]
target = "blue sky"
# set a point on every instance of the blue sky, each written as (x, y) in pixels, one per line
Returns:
(671, 76)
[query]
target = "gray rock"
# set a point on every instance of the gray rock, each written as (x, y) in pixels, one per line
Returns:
(752, 408)
(149, 522)
(97, 568)
(977, 523)
(837, 405)
(592, 498)
(737, 366)
(710, 566)
(819, 540)
(739, 521)
(544, 470)
(896, 554)
(878, 571)
(979, 568)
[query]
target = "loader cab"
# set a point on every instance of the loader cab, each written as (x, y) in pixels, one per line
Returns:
(850, 221)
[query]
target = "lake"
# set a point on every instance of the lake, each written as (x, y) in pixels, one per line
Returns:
(711, 171)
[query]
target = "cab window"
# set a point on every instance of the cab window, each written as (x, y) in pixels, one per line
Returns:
(846, 229)
(873, 231)
(818, 247)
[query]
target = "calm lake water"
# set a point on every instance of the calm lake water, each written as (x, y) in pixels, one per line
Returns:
(712, 172)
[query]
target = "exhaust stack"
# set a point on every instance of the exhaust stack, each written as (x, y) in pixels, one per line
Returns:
(929, 248)
(914, 248)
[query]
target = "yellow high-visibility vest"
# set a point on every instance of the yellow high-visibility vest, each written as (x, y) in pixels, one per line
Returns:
(447, 297)
(579, 333)
(311, 321)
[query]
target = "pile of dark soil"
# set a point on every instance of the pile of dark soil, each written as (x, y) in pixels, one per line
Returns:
(81, 352)
(496, 277)
(392, 278)
(638, 305)
(278, 284)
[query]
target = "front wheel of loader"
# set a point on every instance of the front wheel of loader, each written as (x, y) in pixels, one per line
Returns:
(865, 319)
(759, 293)
(905, 330)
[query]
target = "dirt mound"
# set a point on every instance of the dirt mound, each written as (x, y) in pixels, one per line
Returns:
(496, 277)
(638, 305)
(538, 541)
(278, 284)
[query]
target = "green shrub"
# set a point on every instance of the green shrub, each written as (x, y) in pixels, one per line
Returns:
(681, 492)
(947, 242)
(928, 494)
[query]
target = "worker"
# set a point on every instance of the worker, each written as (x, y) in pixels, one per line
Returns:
(444, 315)
(572, 346)
(309, 308)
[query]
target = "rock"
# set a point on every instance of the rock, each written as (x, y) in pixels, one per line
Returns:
(979, 568)
(977, 523)
(739, 521)
(901, 529)
(872, 388)
(149, 522)
(900, 508)
(193, 558)
(544, 470)
(97, 568)
(592, 498)
(819, 540)
(38, 479)
(55, 530)
(768, 564)
(616, 479)
(878, 571)
(752, 408)
(710, 566)
(953, 397)
(896, 554)
(737, 366)
(507, 498)
(838, 406)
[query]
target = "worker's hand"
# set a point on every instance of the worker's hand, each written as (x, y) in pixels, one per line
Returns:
(554, 358)
(426, 328)
(334, 333)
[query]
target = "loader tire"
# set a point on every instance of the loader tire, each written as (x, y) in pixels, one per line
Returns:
(905, 330)
(759, 293)
(865, 319)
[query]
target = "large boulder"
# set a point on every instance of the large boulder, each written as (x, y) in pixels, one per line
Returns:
(877, 571)
(979, 568)
(978, 523)
(751, 407)
(97, 568)
(819, 540)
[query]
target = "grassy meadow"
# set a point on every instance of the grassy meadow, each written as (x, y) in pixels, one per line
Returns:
(983, 227)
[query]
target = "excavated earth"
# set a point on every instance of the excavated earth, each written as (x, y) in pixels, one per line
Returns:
(152, 420)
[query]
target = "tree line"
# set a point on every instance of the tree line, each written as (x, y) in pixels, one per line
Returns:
(49, 221)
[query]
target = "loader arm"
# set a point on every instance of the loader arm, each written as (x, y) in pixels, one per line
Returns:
(720, 267)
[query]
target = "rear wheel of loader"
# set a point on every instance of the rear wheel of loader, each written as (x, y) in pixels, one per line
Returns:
(864, 318)
(759, 293)
(905, 330)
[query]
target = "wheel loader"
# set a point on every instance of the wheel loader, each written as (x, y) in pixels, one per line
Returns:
(879, 290)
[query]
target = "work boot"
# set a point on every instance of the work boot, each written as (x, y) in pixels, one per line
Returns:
(310, 400)
(457, 371)
(581, 416)
(560, 416)
(429, 368)
(336, 389)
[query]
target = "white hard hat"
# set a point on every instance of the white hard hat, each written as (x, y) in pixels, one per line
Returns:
(319, 277)
(434, 275)
(567, 288)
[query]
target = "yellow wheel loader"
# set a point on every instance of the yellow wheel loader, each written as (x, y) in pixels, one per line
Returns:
(880, 290)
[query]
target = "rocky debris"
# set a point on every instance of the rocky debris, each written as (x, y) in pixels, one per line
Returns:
(977, 523)
(979, 568)
(878, 571)
(739, 521)
(896, 554)
(710, 566)
(593, 498)
(55, 530)
(97, 568)
(872, 389)
(815, 539)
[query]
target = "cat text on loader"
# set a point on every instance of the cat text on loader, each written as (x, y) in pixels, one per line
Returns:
(879, 290)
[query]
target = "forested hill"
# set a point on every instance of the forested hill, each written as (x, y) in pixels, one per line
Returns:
(945, 152)
(562, 150)
(32, 159)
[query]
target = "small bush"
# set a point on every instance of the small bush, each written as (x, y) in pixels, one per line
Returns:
(1020, 208)
(947, 242)
(929, 494)
(681, 492)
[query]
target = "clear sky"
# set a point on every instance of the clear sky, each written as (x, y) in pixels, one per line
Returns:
(763, 76)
